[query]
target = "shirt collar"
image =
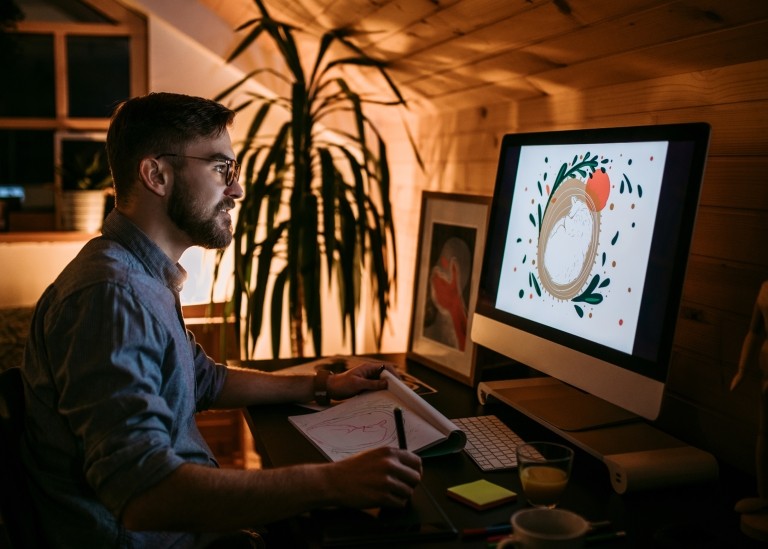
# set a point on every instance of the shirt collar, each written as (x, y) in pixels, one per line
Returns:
(119, 228)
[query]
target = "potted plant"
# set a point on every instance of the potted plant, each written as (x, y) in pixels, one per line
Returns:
(85, 181)
(316, 194)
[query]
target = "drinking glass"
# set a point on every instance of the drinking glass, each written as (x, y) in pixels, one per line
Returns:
(545, 468)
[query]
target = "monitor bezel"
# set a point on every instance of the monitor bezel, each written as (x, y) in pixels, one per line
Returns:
(645, 372)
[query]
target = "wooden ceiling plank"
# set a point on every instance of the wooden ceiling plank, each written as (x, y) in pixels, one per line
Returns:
(501, 68)
(305, 14)
(507, 89)
(395, 17)
(588, 12)
(482, 96)
(380, 16)
(437, 28)
(472, 16)
(637, 30)
(469, 50)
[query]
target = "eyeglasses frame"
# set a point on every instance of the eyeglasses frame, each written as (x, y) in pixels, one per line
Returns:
(233, 166)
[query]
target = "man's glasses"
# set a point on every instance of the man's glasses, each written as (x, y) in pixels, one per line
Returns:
(230, 168)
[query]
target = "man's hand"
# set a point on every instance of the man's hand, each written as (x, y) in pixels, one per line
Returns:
(358, 379)
(384, 477)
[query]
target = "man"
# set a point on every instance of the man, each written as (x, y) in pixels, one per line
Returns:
(113, 379)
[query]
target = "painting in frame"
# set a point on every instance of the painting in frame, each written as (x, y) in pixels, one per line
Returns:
(452, 230)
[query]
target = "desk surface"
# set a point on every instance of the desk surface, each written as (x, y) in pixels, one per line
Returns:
(699, 516)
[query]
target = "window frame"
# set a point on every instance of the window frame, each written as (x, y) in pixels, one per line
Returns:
(135, 31)
(123, 22)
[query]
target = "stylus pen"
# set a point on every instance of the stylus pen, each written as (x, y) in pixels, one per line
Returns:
(400, 426)
(381, 371)
(486, 531)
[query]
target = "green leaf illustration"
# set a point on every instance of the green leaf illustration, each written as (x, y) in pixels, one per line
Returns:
(629, 185)
(536, 286)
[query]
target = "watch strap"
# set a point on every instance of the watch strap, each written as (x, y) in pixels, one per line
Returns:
(321, 387)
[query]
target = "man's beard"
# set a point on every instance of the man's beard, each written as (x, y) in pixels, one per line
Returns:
(199, 223)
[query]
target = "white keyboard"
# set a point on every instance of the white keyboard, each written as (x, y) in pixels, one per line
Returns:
(490, 443)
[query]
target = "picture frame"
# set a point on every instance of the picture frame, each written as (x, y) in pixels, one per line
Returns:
(452, 232)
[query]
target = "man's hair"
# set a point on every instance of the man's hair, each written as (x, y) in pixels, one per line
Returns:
(155, 124)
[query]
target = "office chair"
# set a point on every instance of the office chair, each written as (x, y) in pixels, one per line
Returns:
(18, 512)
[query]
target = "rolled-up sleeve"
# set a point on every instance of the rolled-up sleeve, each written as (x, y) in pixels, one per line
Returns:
(129, 387)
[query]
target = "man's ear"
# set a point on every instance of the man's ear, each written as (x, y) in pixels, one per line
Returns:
(155, 176)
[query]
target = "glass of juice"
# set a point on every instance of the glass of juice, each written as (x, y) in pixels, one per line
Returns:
(544, 468)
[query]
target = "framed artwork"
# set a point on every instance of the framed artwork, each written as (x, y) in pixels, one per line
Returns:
(452, 231)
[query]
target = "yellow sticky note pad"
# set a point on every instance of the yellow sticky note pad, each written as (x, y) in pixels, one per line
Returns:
(481, 494)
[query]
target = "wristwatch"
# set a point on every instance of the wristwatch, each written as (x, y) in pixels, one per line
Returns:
(321, 387)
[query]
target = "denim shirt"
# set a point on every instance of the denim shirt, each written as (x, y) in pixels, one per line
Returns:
(112, 383)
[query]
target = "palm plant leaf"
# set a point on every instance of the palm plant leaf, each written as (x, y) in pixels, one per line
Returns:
(310, 270)
(325, 43)
(266, 254)
(249, 39)
(349, 290)
(359, 193)
(329, 177)
(276, 310)
(381, 66)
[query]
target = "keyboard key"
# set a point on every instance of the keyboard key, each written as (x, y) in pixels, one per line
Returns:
(490, 443)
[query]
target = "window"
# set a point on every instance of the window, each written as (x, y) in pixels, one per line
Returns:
(68, 63)
(98, 74)
(29, 66)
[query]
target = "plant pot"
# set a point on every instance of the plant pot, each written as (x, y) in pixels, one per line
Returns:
(81, 211)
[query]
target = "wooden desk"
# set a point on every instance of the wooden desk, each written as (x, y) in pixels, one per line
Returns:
(698, 516)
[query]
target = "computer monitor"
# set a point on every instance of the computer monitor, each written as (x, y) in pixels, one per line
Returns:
(585, 256)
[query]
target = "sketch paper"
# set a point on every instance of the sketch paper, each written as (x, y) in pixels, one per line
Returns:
(366, 421)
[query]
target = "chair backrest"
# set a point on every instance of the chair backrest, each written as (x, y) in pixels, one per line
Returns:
(16, 505)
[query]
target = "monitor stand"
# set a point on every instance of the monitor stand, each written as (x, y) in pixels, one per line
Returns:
(638, 455)
(562, 406)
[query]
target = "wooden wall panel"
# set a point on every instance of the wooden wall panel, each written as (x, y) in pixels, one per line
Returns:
(729, 286)
(731, 235)
(740, 83)
(707, 332)
(736, 182)
(682, 55)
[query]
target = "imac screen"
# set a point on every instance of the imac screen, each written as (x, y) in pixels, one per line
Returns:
(587, 245)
